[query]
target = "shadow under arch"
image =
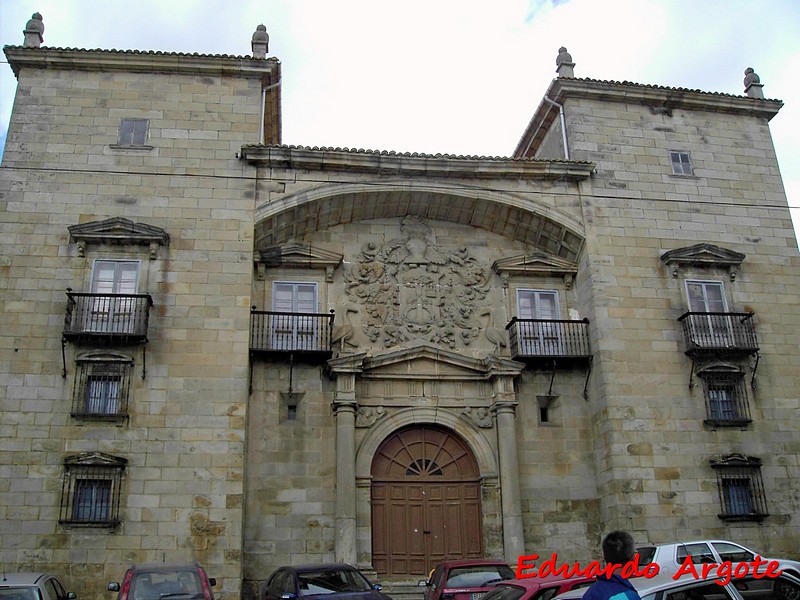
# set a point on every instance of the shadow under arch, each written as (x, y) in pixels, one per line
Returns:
(477, 442)
(527, 219)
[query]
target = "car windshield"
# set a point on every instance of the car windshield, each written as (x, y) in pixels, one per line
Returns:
(154, 585)
(19, 593)
(478, 575)
(331, 581)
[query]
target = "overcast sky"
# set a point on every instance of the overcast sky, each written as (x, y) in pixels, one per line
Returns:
(448, 76)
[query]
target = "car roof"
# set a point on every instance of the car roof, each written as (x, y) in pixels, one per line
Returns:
(21, 578)
(536, 582)
(320, 567)
(467, 562)
(684, 542)
(165, 566)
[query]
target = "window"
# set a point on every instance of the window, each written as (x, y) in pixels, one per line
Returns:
(133, 132)
(90, 492)
(295, 324)
(681, 163)
(102, 385)
(114, 307)
(726, 396)
(539, 330)
(741, 488)
(710, 325)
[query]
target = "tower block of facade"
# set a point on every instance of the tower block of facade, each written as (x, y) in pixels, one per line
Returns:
(218, 347)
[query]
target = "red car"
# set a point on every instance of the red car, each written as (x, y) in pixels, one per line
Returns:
(466, 579)
(536, 588)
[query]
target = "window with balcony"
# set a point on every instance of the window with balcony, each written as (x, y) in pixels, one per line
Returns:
(741, 488)
(725, 395)
(294, 323)
(539, 332)
(91, 489)
(102, 386)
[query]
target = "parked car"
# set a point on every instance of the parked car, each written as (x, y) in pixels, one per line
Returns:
(536, 588)
(687, 587)
(32, 586)
(669, 557)
(467, 579)
(155, 581)
(330, 580)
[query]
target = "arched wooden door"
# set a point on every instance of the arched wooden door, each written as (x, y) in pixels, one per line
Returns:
(426, 501)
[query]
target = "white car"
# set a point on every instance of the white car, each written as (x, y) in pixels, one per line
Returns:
(669, 557)
(32, 586)
(687, 587)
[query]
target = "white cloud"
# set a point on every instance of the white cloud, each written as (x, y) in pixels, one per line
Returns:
(449, 76)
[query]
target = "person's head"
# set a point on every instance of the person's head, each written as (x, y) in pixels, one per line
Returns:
(618, 547)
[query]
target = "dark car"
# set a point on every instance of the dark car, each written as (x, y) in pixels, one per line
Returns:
(536, 588)
(330, 580)
(32, 586)
(467, 579)
(155, 581)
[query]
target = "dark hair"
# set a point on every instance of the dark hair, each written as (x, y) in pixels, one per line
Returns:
(618, 547)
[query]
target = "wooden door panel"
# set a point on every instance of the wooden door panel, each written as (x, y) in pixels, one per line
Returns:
(425, 502)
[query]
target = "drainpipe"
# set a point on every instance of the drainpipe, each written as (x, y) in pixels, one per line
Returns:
(264, 91)
(563, 124)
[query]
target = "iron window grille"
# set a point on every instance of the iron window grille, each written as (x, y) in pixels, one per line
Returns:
(133, 132)
(102, 387)
(726, 399)
(681, 163)
(91, 490)
(741, 488)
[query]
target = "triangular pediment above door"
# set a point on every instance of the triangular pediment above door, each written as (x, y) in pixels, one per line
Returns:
(298, 256)
(118, 230)
(541, 264)
(703, 254)
(422, 360)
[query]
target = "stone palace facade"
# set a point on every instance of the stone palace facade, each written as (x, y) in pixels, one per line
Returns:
(215, 346)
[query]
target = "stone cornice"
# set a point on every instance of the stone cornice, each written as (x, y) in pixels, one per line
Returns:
(411, 164)
(139, 61)
(657, 97)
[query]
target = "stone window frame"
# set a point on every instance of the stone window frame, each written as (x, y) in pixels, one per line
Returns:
(107, 367)
(680, 166)
(741, 488)
(92, 490)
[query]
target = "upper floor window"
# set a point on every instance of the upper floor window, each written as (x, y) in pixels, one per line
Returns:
(539, 331)
(133, 132)
(295, 324)
(726, 396)
(681, 163)
(741, 488)
(113, 305)
(102, 385)
(90, 494)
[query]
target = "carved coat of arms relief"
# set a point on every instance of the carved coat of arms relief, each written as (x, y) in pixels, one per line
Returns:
(410, 288)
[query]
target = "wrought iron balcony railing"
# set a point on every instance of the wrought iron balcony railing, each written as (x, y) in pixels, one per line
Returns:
(549, 338)
(715, 333)
(290, 332)
(117, 318)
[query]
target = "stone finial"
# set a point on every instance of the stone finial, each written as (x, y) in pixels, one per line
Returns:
(260, 42)
(564, 63)
(34, 30)
(752, 84)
